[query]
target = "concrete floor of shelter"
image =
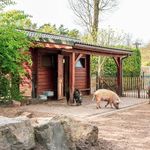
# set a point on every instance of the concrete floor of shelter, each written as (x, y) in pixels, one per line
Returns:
(86, 110)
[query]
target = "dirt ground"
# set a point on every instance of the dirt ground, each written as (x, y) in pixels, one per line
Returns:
(128, 128)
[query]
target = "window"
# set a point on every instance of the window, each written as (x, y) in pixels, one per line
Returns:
(47, 60)
(80, 63)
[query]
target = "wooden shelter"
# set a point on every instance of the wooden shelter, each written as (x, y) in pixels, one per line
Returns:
(61, 64)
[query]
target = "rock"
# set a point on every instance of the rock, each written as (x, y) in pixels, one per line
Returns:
(50, 134)
(81, 136)
(63, 133)
(16, 134)
(55, 133)
(26, 102)
(26, 114)
(16, 103)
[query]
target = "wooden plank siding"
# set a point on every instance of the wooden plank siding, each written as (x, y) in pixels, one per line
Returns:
(45, 76)
(82, 77)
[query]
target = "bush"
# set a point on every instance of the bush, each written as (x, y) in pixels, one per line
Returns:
(14, 48)
(131, 65)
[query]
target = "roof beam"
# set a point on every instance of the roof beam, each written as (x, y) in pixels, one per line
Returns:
(98, 53)
(78, 57)
(51, 45)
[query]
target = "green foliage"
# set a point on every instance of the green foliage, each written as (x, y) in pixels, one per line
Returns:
(110, 68)
(145, 54)
(48, 28)
(14, 89)
(14, 48)
(61, 30)
(16, 18)
(94, 65)
(147, 64)
(4, 3)
(73, 33)
(65, 31)
(4, 88)
(132, 65)
(87, 38)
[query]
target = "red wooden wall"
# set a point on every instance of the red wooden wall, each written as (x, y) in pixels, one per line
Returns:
(44, 75)
(82, 76)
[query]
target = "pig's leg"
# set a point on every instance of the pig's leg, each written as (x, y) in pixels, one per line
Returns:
(111, 104)
(98, 102)
(107, 104)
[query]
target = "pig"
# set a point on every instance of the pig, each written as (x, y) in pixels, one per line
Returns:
(106, 95)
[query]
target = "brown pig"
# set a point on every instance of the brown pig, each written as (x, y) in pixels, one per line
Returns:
(106, 95)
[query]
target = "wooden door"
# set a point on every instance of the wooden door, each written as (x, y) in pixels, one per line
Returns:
(60, 77)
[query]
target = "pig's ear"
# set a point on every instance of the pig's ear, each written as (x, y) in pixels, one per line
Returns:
(118, 100)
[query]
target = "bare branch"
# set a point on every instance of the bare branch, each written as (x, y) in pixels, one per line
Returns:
(88, 12)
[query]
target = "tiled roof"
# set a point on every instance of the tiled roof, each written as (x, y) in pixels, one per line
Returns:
(60, 39)
(47, 37)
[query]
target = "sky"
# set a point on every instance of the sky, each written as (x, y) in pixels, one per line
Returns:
(131, 16)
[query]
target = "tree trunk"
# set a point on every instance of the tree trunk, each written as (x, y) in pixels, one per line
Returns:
(95, 20)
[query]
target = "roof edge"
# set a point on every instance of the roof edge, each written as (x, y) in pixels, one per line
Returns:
(92, 46)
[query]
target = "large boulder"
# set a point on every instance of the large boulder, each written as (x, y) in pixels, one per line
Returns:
(80, 135)
(63, 133)
(49, 134)
(16, 134)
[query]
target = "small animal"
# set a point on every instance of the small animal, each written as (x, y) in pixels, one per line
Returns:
(106, 95)
(148, 93)
(77, 97)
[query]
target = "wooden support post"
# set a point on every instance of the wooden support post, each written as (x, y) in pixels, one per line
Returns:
(89, 73)
(118, 61)
(119, 76)
(78, 57)
(72, 76)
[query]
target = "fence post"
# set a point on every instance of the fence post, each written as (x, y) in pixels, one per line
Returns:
(97, 81)
(148, 92)
(139, 85)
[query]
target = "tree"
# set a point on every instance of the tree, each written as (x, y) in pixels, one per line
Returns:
(108, 38)
(48, 28)
(4, 3)
(65, 31)
(145, 52)
(132, 65)
(61, 30)
(88, 13)
(74, 33)
(17, 18)
(14, 48)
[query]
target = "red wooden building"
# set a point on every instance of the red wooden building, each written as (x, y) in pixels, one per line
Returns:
(61, 64)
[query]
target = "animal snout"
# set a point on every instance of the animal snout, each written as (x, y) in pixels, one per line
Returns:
(116, 105)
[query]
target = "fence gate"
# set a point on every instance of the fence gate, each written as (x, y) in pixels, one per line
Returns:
(132, 86)
(136, 86)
